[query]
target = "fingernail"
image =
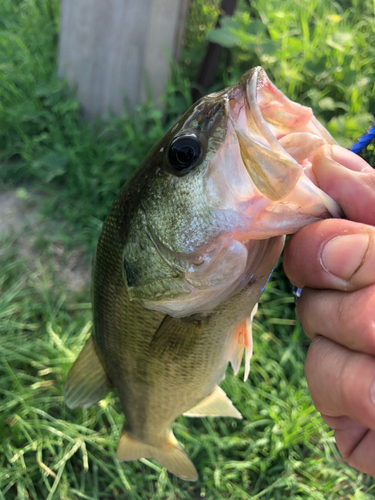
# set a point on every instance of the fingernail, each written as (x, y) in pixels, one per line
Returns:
(350, 160)
(343, 256)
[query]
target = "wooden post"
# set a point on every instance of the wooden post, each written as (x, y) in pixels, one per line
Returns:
(112, 51)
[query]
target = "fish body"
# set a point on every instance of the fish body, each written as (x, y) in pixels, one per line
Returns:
(184, 256)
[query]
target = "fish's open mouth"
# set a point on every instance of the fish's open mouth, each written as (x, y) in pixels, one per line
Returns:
(276, 136)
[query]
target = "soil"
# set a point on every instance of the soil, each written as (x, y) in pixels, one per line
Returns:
(37, 238)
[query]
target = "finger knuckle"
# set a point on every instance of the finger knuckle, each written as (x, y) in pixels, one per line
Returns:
(313, 377)
(353, 386)
(365, 321)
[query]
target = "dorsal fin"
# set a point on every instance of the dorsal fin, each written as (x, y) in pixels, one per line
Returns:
(217, 404)
(87, 382)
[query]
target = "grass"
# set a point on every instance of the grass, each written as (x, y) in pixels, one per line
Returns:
(281, 449)
(319, 53)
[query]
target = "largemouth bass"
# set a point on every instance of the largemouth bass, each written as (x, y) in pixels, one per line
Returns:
(184, 256)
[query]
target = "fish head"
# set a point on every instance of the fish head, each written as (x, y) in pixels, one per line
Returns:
(230, 178)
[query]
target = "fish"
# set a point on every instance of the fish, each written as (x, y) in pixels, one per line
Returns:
(184, 255)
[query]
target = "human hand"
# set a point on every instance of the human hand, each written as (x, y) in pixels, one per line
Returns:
(333, 261)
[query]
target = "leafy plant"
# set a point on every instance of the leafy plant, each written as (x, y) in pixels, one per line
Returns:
(310, 49)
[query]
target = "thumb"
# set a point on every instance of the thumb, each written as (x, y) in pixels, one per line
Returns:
(352, 187)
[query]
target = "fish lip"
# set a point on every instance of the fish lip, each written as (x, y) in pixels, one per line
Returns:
(256, 110)
(247, 94)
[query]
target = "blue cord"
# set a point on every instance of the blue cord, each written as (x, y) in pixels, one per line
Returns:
(363, 141)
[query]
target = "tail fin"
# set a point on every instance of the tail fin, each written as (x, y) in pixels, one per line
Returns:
(171, 455)
(87, 382)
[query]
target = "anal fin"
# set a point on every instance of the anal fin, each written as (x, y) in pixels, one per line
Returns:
(243, 341)
(171, 455)
(217, 404)
(87, 382)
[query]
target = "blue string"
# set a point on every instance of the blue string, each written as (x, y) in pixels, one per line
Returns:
(363, 141)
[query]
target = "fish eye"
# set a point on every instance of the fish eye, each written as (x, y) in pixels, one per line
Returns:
(184, 152)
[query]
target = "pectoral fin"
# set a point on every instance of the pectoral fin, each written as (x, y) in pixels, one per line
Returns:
(171, 455)
(87, 382)
(243, 341)
(217, 404)
(175, 338)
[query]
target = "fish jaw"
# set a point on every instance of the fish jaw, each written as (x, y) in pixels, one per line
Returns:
(193, 239)
(263, 168)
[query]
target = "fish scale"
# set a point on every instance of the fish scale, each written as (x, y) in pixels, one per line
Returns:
(129, 334)
(184, 255)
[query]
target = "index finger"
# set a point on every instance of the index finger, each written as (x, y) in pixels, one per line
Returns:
(353, 187)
